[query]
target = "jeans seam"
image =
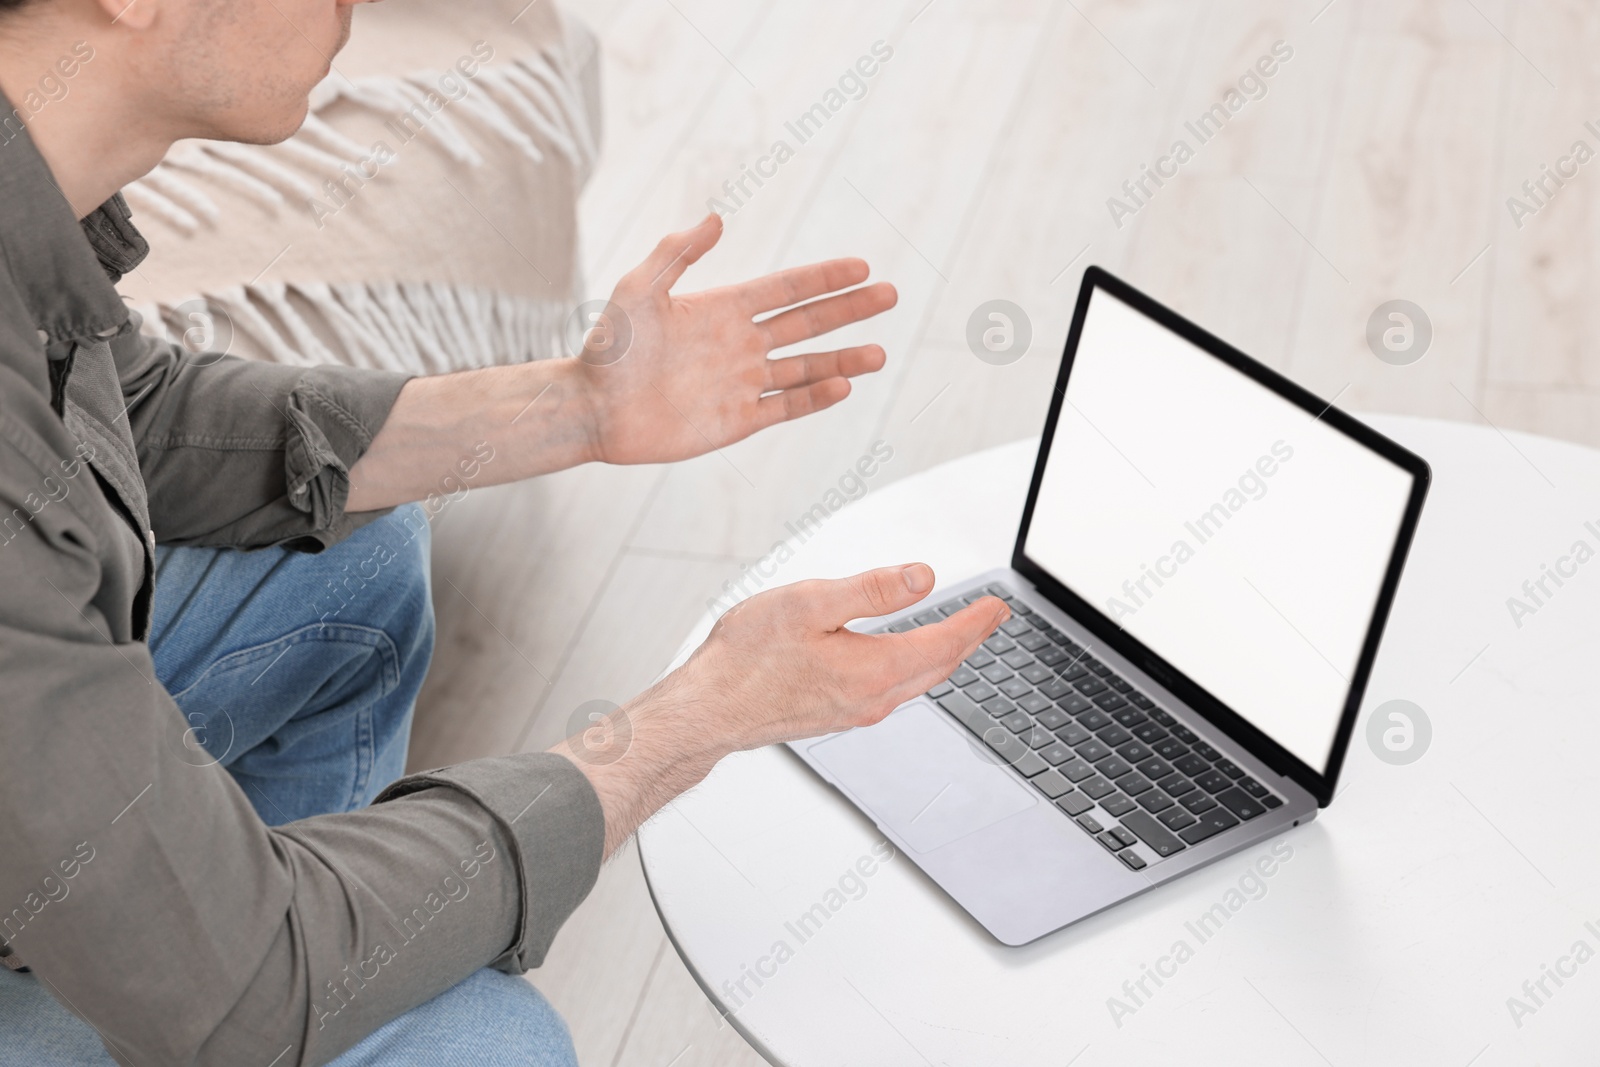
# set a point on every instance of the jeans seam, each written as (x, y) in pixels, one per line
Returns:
(385, 647)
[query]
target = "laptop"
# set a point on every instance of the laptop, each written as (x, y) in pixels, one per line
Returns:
(1199, 585)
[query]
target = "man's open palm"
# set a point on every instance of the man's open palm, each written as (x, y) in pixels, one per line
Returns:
(675, 376)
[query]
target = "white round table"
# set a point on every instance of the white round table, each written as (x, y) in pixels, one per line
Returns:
(1419, 920)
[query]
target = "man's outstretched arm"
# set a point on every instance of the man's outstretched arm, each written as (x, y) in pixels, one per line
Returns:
(662, 377)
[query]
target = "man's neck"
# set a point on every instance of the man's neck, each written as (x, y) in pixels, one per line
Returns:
(87, 126)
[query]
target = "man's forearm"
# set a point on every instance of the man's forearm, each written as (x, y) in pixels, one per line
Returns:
(648, 751)
(535, 416)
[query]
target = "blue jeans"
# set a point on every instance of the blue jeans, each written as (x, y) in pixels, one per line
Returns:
(299, 673)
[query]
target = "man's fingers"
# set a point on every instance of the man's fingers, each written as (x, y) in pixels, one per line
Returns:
(792, 372)
(928, 654)
(664, 266)
(801, 283)
(799, 402)
(830, 603)
(822, 316)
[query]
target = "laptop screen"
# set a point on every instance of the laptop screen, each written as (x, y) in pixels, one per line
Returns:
(1237, 536)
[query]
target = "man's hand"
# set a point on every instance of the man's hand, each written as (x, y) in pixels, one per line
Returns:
(672, 376)
(777, 667)
(662, 377)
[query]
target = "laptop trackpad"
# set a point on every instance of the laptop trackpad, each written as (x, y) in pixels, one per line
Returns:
(918, 774)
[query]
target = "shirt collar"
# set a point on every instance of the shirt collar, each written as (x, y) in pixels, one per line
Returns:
(65, 271)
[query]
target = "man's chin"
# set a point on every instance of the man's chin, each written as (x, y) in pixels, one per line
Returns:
(263, 129)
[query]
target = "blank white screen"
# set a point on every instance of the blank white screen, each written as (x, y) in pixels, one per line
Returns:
(1233, 534)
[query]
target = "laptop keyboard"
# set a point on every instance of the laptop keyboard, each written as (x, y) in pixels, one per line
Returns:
(1122, 768)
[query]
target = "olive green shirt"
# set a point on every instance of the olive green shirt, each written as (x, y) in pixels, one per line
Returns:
(144, 892)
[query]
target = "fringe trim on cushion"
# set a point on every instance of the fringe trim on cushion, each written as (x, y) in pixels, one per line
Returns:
(413, 327)
(531, 97)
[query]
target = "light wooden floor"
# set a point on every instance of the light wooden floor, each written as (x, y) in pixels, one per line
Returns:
(1376, 167)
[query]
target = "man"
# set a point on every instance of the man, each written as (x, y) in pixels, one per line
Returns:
(204, 856)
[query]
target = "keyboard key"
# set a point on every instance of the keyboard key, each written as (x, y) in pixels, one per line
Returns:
(1211, 823)
(1123, 837)
(1213, 781)
(1073, 703)
(950, 609)
(1017, 659)
(1029, 764)
(1074, 803)
(1090, 686)
(1133, 783)
(1033, 703)
(1093, 751)
(1155, 801)
(1152, 833)
(1133, 752)
(1051, 784)
(1191, 765)
(1176, 818)
(1240, 803)
(1131, 858)
(979, 691)
(1132, 717)
(1033, 642)
(1110, 701)
(1096, 787)
(1182, 733)
(1139, 700)
(1171, 748)
(1076, 770)
(927, 618)
(1196, 802)
(1154, 767)
(1102, 669)
(1017, 722)
(1051, 656)
(1052, 718)
(1253, 787)
(902, 626)
(1052, 687)
(1094, 720)
(1016, 625)
(1056, 754)
(999, 644)
(1206, 750)
(1040, 675)
(998, 590)
(1071, 671)
(1229, 768)
(995, 673)
(940, 690)
(1176, 785)
(966, 712)
(1012, 686)
(1111, 843)
(1117, 804)
(1120, 685)
(1271, 801)
(1113, 735)
(1150, 733)
(1112, 767)
(1038, 737)
(963, 676)
(979, 660)
(1072, 733)
(998, 707)
(1090, 823)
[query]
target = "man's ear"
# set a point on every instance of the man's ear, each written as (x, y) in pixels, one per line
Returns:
(134, 14)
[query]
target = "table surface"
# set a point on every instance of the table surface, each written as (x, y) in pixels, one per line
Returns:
(1412, 923)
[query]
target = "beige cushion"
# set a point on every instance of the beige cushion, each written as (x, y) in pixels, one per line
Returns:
(423, 219)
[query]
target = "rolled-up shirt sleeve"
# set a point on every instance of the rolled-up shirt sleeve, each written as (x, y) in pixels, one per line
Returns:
(152, 901)
(245, 454)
